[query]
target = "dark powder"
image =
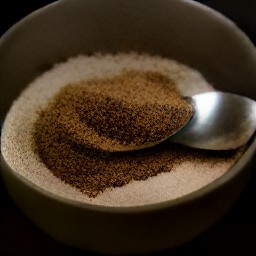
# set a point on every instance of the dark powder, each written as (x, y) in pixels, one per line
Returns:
(78, 135)
(122, 112)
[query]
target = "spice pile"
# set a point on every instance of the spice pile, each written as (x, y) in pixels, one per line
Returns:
(118, 113)
(84, 122)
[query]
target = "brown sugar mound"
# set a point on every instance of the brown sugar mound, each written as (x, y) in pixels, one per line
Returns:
(131, 108)
(85, 118)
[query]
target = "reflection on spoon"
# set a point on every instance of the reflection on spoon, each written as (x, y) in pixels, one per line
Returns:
(221, 121)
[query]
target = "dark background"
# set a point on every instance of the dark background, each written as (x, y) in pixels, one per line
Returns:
(235, 234)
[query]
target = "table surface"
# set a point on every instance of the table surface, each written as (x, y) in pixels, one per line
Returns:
(234, 234)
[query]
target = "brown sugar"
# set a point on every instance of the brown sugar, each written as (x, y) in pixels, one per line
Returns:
(118, 113)
(84, 122)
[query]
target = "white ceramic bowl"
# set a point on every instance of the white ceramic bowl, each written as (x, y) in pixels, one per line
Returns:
(178, 29)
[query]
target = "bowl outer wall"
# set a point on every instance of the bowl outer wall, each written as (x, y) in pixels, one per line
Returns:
(117, 230)
(183, 30)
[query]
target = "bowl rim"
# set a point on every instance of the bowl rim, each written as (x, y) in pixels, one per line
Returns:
(187, 198)
(193, 4)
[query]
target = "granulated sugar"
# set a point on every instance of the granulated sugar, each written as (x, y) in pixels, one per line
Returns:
(182, 171)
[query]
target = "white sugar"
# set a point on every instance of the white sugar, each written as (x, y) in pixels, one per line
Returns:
(16, 141)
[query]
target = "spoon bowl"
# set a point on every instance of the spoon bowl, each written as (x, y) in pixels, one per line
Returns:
(221, 121)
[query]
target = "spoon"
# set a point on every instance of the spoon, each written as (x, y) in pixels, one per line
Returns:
(221, 121)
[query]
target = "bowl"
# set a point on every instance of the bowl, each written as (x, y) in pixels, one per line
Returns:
(178, 29)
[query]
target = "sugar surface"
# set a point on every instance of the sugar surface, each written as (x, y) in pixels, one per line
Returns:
(16, 144)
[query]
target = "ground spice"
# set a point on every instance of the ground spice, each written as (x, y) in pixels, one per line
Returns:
(121, 112)
(74, 134)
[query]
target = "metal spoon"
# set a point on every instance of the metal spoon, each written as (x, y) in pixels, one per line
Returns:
(221, 121)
